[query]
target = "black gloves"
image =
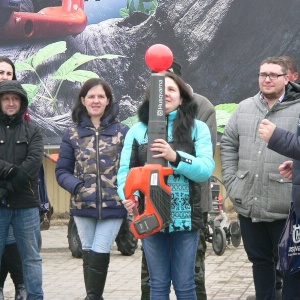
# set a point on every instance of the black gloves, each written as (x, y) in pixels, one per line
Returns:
(3, 189)
(19, 178)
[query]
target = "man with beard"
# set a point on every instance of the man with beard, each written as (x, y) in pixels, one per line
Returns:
(261, 196)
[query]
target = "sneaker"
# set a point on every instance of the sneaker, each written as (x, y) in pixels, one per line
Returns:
(252, 297)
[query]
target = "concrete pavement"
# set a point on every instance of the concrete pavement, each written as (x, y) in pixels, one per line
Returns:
(227, 277)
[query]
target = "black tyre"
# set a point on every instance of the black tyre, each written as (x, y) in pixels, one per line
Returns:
(235, 233)
(125, 240)
(73, 239)
(219, 240)
(26, 6)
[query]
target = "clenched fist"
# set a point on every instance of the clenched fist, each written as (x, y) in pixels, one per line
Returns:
(266, 129)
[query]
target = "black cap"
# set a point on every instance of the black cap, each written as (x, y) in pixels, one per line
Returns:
(175, 68)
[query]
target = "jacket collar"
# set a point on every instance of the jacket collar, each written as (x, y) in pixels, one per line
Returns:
(86, 127)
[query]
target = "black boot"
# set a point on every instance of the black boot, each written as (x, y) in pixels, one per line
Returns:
(85, 264)
(98, 266)
(1, 294)
(20, 292)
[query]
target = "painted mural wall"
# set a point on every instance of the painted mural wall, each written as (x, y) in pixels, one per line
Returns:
(57, 45)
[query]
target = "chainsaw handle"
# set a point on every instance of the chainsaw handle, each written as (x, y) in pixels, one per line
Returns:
(139, 179)
(135, 211)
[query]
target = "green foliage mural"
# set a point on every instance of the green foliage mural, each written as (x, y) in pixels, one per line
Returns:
(131, 120)
(67, 71)
(223, 113)
(131, 8)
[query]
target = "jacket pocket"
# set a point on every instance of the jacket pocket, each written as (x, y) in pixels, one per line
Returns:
(279, 194)
(86, 198)
(239, 191)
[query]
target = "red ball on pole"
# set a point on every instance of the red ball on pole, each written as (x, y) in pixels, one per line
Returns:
(159, 57)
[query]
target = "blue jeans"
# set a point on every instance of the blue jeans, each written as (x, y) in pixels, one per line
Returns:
(97, 235)
(261, 245)
(10, 236)
(171, 257)
(26, 227)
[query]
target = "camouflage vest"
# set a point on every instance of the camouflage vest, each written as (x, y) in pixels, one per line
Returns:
(97, 159)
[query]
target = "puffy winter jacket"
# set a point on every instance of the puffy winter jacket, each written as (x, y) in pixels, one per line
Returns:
(249, 168)
(87, 168)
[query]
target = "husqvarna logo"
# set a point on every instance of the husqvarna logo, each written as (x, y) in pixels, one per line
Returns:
(296, 234)
(295, 249)
(160, 108)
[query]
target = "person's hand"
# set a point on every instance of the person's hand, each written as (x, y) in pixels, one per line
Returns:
(129, 205)
(286, 168)
(266, 129)
(79, 188)
(165, 150)
(19, 178)
(3, 189)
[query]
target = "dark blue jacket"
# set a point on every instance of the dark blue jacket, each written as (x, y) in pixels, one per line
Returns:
(87, 168)
(288, 144)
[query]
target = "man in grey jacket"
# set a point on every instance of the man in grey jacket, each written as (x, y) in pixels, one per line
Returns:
(261, 196)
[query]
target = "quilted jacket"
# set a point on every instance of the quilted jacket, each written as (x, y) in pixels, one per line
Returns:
(87, 168)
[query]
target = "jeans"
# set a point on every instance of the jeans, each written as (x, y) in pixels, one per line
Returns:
(260, 242)
(26, 227)
(171, 257)
(97, 235)
(10, 237)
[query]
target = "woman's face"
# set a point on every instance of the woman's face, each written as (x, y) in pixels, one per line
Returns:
(95, 101)
(172, 94)
(6, 71)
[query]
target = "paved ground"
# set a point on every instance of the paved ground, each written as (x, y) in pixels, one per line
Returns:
(227, 277)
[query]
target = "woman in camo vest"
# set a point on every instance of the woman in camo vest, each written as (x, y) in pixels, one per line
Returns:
(87, 168)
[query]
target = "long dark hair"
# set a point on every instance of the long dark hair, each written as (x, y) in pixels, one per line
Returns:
(8, 61)
(186, 114)
(79, 109)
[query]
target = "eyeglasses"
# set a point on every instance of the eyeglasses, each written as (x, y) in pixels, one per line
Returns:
(271, 76)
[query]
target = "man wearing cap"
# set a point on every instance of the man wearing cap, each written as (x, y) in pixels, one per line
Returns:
(21, 154)
(206, 114)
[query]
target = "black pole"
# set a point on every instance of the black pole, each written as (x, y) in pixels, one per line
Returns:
(157, 116)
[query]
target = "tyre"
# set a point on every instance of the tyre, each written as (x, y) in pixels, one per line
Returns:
(235, 233)
(73, 239)
(26, 6)
(219, 240)
(125, 240)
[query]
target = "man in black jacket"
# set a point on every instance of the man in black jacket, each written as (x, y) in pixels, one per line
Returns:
(21, 154)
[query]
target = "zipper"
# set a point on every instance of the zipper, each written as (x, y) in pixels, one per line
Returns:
(30, 187)
(98, 174)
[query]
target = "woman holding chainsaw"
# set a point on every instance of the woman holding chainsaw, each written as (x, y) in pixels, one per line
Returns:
(87, 168)
(171, 253)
